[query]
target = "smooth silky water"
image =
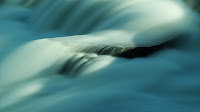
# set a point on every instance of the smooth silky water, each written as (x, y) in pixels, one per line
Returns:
(99, 56)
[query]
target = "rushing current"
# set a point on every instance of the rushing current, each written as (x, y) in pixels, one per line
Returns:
(99, 56)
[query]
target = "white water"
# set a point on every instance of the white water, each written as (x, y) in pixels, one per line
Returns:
(40, 38)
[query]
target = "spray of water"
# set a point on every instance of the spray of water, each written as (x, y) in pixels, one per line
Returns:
(99, 55)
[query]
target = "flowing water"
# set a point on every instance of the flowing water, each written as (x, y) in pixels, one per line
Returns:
(99, 55)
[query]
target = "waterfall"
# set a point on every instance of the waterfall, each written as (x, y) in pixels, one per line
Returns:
(99, 55)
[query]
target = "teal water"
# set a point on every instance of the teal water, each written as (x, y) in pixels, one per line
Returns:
(71, 55)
